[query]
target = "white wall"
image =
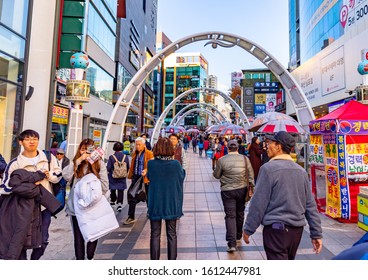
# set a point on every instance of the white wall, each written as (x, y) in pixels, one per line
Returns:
(39, 67)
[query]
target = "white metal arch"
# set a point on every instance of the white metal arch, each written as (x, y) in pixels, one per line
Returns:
(161, 119)
(115, 126)
(197, 110)
(177, 115)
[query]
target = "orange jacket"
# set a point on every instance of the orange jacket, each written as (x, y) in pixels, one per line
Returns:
(147, 156)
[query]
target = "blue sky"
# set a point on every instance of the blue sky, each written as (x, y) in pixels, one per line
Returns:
(265, 22)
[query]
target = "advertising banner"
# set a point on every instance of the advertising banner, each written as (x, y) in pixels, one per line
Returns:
(316, 150)
(270, 102)
(344, 183)
(333, 205)
(97, 133)
(60, 115)
(333, 72)
(260, 98)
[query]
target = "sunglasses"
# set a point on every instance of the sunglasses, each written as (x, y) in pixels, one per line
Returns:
(59, 153)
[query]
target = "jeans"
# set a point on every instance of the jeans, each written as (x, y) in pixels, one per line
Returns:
(200, 151)
(234, 205)
(79, 243)
(37, 253)
(155, 239)
(186, 145)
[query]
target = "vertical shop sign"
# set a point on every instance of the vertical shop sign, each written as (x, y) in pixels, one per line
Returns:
(316, 150)
(344, 185)
(97, 137)
(333, 201)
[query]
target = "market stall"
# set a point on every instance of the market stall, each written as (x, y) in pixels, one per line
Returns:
(338, 156)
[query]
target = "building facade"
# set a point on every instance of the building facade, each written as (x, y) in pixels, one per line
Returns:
(136, 45)
(332, 36)
(25, 60)
(162, 41)
(261, 92)
(182, 72)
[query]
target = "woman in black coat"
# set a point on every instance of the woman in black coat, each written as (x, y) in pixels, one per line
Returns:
(117, 184)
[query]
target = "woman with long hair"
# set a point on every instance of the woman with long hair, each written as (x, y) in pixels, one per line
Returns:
(255, 153)
(73, 173)
(165, 197)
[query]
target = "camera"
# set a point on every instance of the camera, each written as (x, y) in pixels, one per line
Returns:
(90, 149)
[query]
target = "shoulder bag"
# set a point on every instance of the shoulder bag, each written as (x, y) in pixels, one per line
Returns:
(250, 187)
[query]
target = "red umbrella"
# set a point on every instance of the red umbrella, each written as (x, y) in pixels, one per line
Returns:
(267, 117)
(290, 126)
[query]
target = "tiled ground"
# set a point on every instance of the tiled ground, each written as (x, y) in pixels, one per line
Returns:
(201, 231)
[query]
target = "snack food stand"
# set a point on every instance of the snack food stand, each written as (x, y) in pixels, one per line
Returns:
(339, 160)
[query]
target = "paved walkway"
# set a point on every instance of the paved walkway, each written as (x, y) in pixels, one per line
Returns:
(201, 231)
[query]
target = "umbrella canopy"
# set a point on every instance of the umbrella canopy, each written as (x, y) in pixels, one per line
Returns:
(290, 126)
(174, 129)
(233, 130)
(181, 129)
(264, 118)
(195, 130)
(215, 129)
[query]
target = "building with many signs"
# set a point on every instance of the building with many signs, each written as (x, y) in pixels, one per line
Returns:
(326, 43)
(261, 92)
(182, 72)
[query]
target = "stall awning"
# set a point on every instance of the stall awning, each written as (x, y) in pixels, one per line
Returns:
(351, 118)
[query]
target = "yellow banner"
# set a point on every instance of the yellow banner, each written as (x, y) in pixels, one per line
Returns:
(260, 98)
(333, 201)
(60, 115)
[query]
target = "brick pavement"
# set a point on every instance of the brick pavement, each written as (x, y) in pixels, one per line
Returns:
(201, 231)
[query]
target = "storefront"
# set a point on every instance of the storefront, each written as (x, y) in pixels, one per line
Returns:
(13, 38)
(60, 118)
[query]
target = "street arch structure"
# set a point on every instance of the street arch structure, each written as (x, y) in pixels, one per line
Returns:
(177, 115)
(115, 126)
(161, 119)
(197, 110)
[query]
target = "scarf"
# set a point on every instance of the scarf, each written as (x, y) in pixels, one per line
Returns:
(164, 157)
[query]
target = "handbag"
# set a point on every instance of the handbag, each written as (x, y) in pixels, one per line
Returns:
(250, 187)
(137, 190)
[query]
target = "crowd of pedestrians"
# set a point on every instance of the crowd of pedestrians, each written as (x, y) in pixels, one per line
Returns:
(280, 203)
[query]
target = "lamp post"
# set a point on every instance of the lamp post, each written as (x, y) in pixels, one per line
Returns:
(77, 92)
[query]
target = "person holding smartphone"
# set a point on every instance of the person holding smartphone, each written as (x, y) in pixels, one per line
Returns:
(80, 166)
(282, 201)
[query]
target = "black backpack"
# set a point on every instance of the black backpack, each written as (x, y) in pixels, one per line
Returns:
(59, 189)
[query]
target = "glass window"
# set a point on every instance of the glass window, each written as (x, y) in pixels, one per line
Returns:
(10, 69)
(100, 32)
(11, 43)
(14, 14)
(106, 14)
(10, 96)
(124, 78)
(100, 81)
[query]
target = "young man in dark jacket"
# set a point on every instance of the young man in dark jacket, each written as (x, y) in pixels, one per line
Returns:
(33, 159)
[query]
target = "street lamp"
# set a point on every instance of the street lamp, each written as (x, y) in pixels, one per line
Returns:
(77, 91)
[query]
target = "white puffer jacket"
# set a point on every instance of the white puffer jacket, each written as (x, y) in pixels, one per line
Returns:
(94, 213)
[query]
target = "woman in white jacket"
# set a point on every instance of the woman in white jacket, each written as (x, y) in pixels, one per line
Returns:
(73, 173)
